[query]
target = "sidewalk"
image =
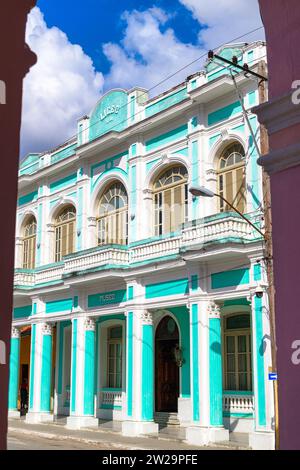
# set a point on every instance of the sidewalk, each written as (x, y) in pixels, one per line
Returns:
(109, 436)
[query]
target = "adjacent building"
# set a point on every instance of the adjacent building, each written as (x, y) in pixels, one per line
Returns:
(135, 301)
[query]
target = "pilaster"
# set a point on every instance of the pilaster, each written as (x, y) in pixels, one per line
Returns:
(14, 366)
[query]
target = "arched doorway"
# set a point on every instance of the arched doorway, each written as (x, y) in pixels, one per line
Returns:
(166, 368)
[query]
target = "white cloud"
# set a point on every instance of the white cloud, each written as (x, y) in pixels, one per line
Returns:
(225, 20)
(147, 54)
(59, 89)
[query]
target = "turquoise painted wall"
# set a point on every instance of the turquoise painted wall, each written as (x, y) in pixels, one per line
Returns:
(14, 363)
(147, 373)
(27, 198)
(62, 154)
(215, 373)
(133, 204)
(89, 372)
(234, 277)
(161, 289)
(22, 312)
(62, 305)
(166, 102)
(224, 113)
(129, 341)
(107, 298)
(110, 114)
(62, 326)
(63, 183)
(46, 373)
(164, 139)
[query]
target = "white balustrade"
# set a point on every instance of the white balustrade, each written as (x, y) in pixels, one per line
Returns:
(111, 398)
(193, 235)
(238, 403)
(96, 258)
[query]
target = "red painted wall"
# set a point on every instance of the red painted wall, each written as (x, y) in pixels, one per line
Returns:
(16, 58)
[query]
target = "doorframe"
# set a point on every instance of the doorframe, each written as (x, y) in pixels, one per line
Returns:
(158, 315)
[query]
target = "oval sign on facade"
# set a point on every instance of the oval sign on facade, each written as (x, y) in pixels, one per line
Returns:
(110, 114)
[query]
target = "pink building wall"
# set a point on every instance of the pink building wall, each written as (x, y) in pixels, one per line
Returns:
(281, 116)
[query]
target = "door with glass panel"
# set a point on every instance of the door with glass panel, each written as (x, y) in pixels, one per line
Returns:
(65, 232)
(112, 223)
(170, 193)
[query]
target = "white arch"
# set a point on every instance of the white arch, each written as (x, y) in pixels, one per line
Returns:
(158, 317)
(28, 213)
(63, 201)
(163, 164)
(102, 182)
(223, 141)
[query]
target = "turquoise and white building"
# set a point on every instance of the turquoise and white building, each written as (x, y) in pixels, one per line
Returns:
(133, 300)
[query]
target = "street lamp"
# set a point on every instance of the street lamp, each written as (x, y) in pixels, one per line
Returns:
(201, 191)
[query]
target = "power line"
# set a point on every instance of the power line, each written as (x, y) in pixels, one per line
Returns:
(166, 79)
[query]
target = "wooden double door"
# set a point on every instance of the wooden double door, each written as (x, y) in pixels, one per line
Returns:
(166, 369)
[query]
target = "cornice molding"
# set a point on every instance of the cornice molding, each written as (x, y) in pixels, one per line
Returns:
(281, 159)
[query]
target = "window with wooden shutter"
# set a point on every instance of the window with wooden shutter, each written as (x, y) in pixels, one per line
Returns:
(170, 196)
(65, 232)
(29, 244)
(112, 223)
(232, 179)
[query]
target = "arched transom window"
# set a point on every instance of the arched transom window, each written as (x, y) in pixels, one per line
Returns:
(170, 193)
(65, 232)
(237, 345)
(29, 244)
(231, 178)
(112, 223)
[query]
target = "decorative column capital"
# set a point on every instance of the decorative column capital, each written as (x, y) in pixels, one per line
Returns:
(47, 329)
(146, 317)
(213, 310)
(89, 324)
(15, 332)
(92, 221)
(50, 227)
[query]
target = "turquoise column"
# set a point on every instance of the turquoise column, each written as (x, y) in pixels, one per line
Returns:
(258, 357)
(89, 367)
(194, 325)
(14, 364)
(215, 366)
(73, 366)
(46, 368)
(129, 365)
(147, 368)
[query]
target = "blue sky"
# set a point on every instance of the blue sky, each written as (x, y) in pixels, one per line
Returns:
(91, 23)
(86, 47)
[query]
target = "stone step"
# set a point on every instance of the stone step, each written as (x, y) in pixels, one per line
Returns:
(167, 419)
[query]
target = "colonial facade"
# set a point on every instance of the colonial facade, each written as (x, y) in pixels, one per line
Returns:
(134, 300)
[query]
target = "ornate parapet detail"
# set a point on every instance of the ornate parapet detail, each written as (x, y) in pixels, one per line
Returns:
(47, 329)
(89, 324)
(213, 310)
(15, 332)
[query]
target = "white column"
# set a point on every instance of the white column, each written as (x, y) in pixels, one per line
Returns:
(201, 432)
(140, 374)
(40, 374)
(82, 374)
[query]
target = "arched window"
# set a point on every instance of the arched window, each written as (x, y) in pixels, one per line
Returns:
(231, 178)
(237, 345)
(112, 223)
(65, 232)
(29, 244)
(114, 357)
(170, 193)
